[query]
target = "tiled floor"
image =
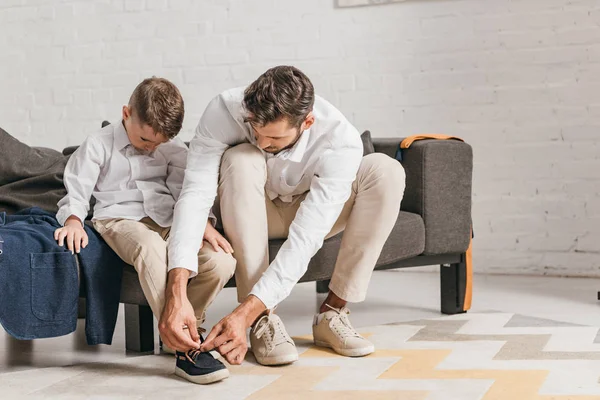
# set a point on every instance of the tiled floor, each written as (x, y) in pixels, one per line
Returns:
(394, 296)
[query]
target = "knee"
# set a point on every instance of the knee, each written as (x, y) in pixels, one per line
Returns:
(221, 265)
(244, 157)
(380, 171)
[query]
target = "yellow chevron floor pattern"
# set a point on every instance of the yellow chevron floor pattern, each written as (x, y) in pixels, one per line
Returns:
(468, 357)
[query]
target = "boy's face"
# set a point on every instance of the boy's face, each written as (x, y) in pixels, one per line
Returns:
(141, 136)
(277, 136)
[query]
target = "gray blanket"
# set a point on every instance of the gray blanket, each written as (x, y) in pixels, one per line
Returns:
(29, 177)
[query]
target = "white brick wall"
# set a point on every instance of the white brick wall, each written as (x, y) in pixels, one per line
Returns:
(519, 79)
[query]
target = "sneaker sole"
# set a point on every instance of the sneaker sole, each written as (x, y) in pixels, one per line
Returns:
(203, 379)
(363, 351)
(280, 360)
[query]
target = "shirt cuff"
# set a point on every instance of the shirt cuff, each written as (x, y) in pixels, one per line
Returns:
(269, 292)
(65, 212)
(186, 261)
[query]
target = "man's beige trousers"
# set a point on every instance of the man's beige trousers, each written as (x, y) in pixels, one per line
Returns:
(367, 218)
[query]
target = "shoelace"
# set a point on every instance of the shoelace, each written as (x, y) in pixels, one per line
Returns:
(192, 354)
(277, 334)
(341, 323)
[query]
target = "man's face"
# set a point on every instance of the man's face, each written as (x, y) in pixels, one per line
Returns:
(141, 136)
(279, 135)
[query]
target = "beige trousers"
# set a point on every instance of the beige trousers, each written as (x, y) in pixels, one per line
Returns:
(367, 218)
(143, 244)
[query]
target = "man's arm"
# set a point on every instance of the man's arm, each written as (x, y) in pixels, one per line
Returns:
(216, 131)
(329, 190)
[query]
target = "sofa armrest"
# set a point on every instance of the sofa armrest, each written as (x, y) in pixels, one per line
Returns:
(438, 187)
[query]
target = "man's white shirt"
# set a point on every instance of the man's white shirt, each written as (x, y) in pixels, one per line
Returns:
(324, 161)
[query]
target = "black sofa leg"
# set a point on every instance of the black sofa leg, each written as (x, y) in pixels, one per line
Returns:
(323, 287)
(453, 279)
(139, 328)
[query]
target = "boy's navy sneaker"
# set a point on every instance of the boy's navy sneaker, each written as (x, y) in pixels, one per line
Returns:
(200, 367)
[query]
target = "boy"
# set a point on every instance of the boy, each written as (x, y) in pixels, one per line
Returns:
(135, 170)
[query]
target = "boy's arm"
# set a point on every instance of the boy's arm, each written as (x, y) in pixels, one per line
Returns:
(177, 160)
(80, 177)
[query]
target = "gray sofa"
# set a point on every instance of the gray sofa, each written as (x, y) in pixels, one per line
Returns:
(433, 228)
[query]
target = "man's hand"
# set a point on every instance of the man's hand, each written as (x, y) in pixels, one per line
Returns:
(217, 241)
(177, 325)
(73, 231)
(228, 337)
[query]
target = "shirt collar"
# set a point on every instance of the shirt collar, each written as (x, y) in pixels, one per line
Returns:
(121, 138)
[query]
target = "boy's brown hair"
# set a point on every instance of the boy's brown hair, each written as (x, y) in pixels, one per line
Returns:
(157, 102)
(281, 92)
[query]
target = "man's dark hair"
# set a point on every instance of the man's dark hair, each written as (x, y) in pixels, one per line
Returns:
(281, 92)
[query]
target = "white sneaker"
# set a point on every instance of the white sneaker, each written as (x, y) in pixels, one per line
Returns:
(332, 329)
(270, 343)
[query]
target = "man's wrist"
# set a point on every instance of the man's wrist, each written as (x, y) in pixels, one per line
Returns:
(177, 280)
(251, 309)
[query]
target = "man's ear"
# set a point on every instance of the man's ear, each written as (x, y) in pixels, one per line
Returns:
(308, 121)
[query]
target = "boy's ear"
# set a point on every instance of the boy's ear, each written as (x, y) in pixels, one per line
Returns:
(126, 112)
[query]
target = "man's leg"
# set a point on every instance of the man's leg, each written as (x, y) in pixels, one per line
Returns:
(367, 220)
(246, 213)
(141, 244)
(215, 268)
(249, 219)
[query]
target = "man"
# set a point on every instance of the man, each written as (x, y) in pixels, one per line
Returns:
(285, 164)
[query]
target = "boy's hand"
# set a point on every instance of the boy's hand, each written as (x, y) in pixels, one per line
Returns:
(73, 231)
(217, 241)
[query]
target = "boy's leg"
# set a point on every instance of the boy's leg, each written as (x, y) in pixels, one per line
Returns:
(215, 268)
(141, 244)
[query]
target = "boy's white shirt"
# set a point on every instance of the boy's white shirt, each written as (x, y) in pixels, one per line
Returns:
(125, 182)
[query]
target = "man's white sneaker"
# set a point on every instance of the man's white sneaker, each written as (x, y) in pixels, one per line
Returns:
(270, 342)
(332, 329)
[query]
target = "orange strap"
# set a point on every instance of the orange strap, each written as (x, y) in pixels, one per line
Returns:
(469, 285)
(405, 144)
